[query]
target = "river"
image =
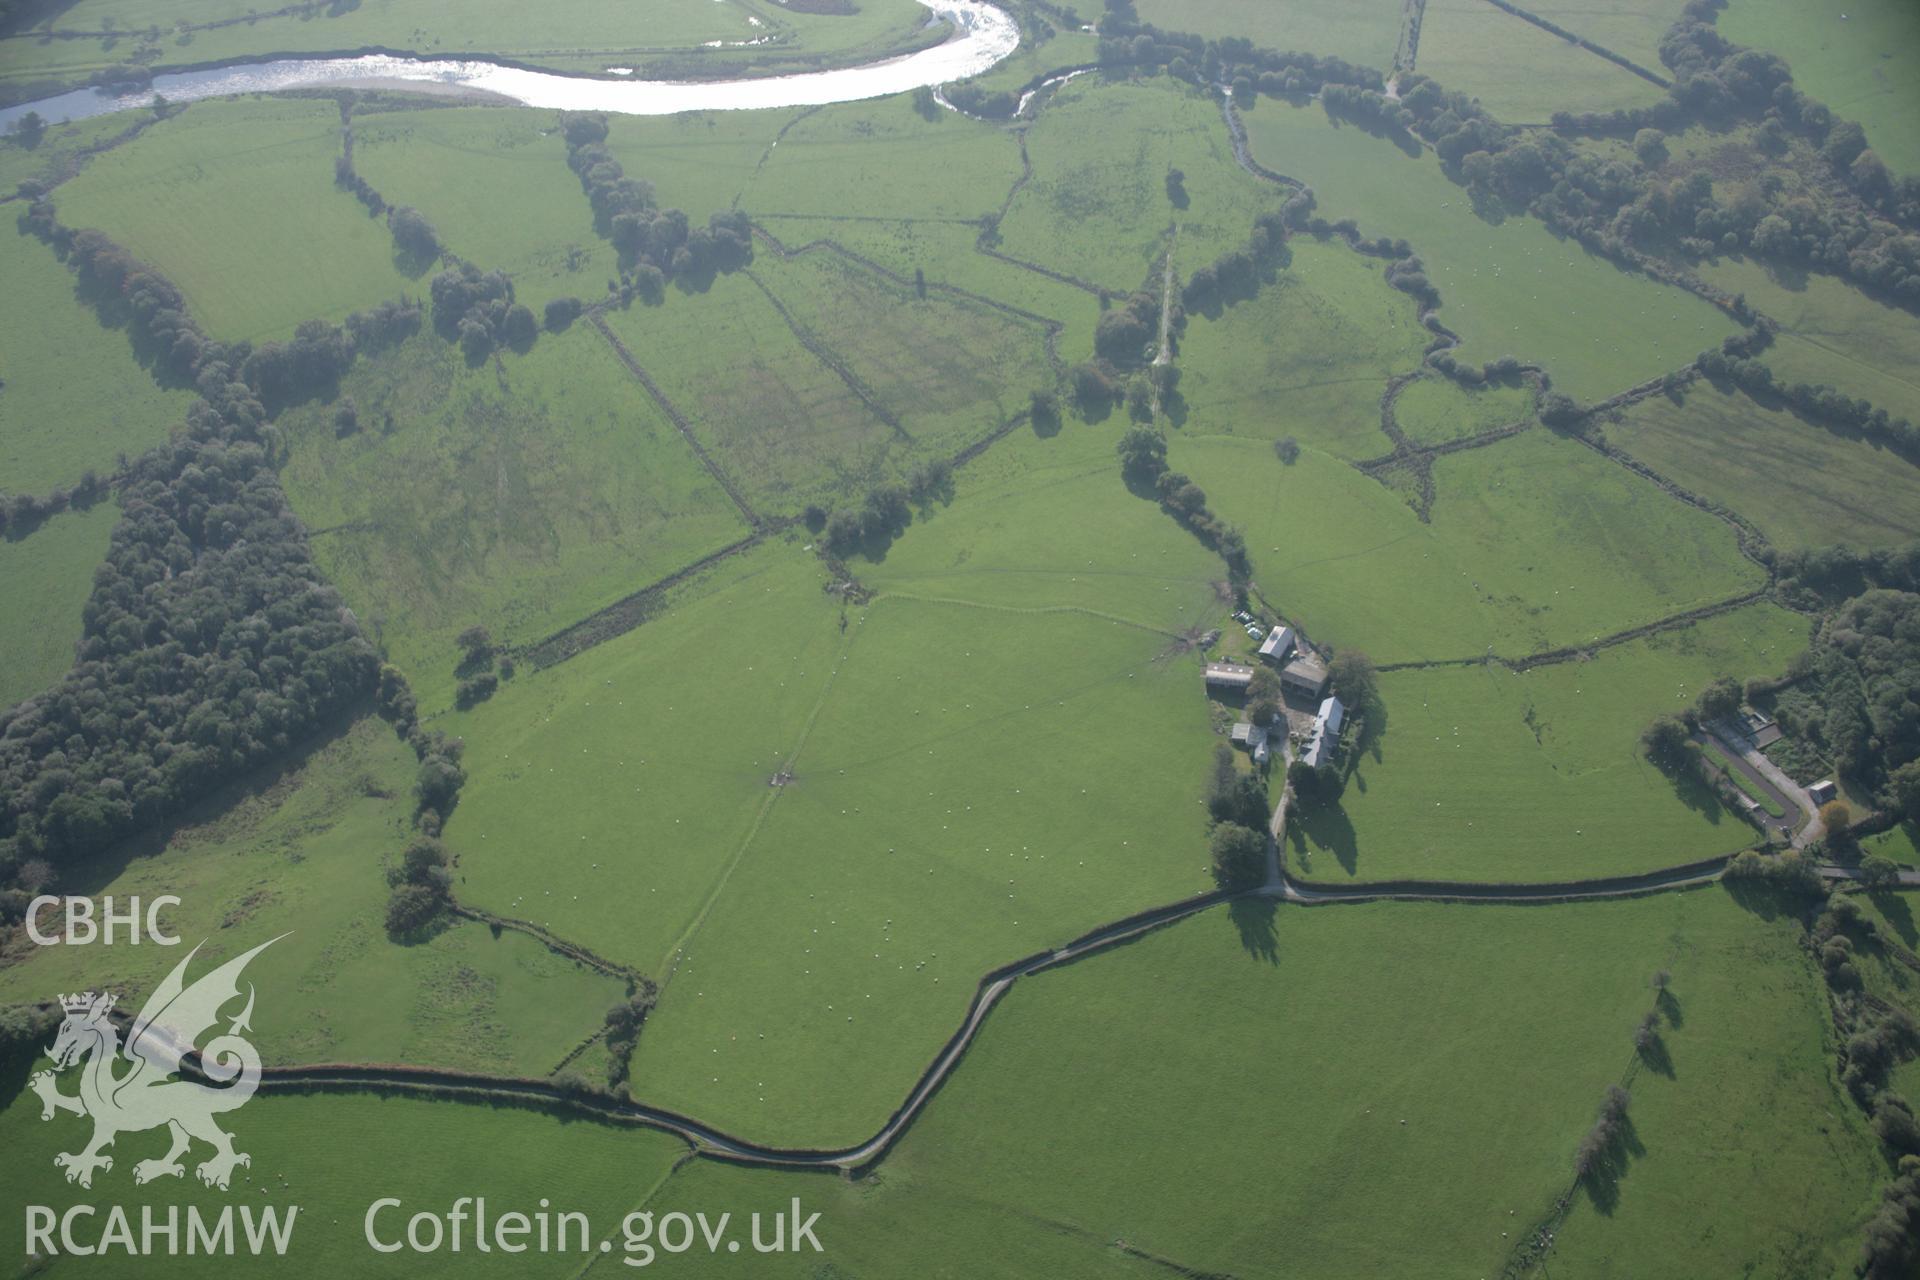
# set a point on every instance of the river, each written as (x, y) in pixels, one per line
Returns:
(984, 34)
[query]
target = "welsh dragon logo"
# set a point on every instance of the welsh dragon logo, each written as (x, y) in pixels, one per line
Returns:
(147, 1097)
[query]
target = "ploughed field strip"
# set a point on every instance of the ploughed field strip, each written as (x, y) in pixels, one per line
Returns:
(783, 619)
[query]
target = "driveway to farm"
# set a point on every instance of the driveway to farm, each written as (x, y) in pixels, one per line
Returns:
(1771, 780)
(1277, 825)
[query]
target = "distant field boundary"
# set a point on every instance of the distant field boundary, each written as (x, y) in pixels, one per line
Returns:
(1598, 50)
(626, 613)
(1573, 652)
(715, 1143)
(679, 420)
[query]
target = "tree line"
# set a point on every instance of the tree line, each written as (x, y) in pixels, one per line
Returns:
(210, 644)
(23, 512)
(883, 514)
(1817, 401)
(1143, 461)
(1611, 206)
(1126, 42)
(656, 245)
(166, 337)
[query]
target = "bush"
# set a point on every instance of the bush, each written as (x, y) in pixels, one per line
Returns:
(1608, 1125)
(1143, 453)
(412, 908)
(1239, 856)
(413, 235)
(475, 689)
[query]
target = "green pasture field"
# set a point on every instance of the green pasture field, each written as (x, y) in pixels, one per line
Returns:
(1047, 523)
(666, 38)
(304, 854)
(947, 253)
(607, 796)
(951, 369)
(1833, 333)
(900, 163)
(1484, 774)
(71, 395)
(520, 495)
(1748, 1066)
(1508, 287)
(1521, 73)
(1902, 845)
(1309, 356)
(698, 161)
(48, 576)
(234, 202)
(1226, 1095)
(494, 183)
(978, 783)
(333, 1156)
(1364, 32)
(1801, 484)
(1631, 28)
(1097, 204)
(782, 425)
(1534, 543)
(1434, 410)
(1854, 63)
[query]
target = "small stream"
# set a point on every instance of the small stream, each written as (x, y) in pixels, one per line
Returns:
(983, 35)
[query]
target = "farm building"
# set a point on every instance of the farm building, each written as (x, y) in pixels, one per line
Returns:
(1277, 645)
(1823, 791)
(1305, 675)
(1255, 739)
(1325, 735)
(1229, 675)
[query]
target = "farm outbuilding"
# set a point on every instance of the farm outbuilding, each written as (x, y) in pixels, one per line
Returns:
(1229, 675)
(1277, 645)
(1306, 675)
